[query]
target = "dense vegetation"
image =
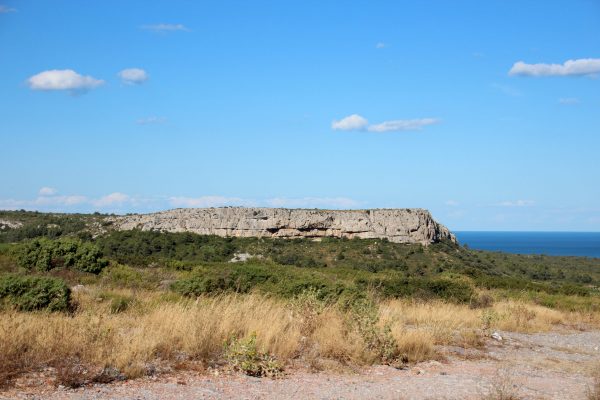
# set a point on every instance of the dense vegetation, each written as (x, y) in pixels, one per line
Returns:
(29, 293)
(44, 254)
(35, 224)
(339, 269)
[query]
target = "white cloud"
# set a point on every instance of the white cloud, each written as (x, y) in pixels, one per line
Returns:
(113, 199)
(151, 120)
(452, 203)
(47, 191)
(121, 202)
(313, 202)
(579, 67)
(352, 122)
(356, 122)
(5, 9)
(304, 202)
(380, 45)
(209, 201)
(42, 202)
(166, 27)
(402, 125)
(516, 203)
(568, 100)
(62, 200)
(133, 76)
(63, 79)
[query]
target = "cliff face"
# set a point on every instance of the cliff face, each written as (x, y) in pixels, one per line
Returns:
(396, 225)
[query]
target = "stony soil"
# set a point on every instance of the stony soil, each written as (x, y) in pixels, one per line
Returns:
(530, 366)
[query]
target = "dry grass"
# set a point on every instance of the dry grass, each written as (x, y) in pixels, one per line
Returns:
(503, 387)
(154, 328)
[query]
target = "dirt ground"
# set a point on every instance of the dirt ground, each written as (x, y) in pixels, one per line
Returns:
(529, 366)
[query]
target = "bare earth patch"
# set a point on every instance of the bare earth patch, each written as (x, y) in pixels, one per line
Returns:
(526, 366)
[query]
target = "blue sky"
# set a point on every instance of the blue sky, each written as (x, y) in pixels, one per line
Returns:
(486, 113)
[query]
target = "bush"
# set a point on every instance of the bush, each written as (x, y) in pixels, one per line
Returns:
(120, 304)
(240, 278)
(44, 254)
(28, 293)
(243, 355)
(425, 288)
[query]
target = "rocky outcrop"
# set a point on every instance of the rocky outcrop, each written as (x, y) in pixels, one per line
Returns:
(396, 225)
(7, 224)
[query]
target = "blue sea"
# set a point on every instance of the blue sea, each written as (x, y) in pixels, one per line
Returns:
(585, 244)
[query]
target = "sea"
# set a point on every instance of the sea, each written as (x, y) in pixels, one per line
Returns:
(585, 244)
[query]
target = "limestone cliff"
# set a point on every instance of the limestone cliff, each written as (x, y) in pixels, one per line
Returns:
(396, 225)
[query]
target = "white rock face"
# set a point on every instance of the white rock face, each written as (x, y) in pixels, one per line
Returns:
(6, 224)
(396, 225)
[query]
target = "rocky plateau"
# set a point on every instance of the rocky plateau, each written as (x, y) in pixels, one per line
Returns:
(396, 225)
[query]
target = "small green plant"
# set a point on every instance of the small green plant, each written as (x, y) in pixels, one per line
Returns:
(243, 355)
(119, 304)
(308, 305)
(488, 319)
(378, 339)
(482, 300)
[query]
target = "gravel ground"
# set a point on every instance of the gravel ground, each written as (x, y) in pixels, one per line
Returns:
(532, 366)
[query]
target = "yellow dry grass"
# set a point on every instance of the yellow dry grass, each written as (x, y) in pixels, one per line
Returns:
(154, 328)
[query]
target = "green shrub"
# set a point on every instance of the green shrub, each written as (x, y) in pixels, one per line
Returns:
(44, 254)
(120, 303)
(122, 276)
(28, 293)
(236, 278)
(424, 288)
(379, 340)
(243, 355)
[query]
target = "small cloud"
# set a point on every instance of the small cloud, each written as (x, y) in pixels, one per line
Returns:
(5, 9)
(352, 122)
(568, 100)
(381, 45)
(507, 90)
(209, 201)
(452, 203)
(111, 200)
(166, 28)
(133, 76)
(356, 122)
(517, 203)
(478, 54)
(45, 199)
(152, 120)
(579, 67)
(47, 191)
(63, 79)
(313, 202)
(402, 125)
(70, 200)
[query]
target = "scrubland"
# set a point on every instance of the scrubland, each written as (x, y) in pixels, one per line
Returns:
(163, 331)
(127, 304)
